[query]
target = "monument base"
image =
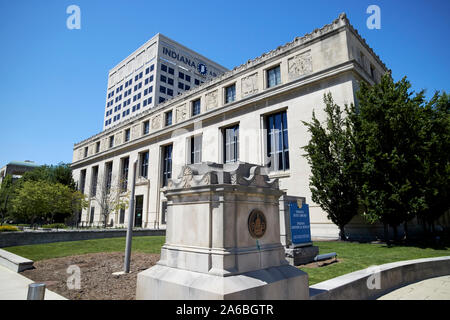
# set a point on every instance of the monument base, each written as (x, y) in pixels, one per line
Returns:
(301, 255)
(276, 283)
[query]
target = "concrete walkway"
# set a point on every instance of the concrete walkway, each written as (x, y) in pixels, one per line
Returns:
(14, 286)
(430, 289)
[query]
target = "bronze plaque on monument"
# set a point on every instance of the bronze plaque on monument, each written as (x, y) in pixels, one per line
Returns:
(257, 224)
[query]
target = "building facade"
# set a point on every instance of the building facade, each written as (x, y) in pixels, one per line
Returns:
(16, 169)
(158, 71)
(252, 114)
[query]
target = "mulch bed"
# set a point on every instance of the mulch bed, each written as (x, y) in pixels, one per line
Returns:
(97, 281)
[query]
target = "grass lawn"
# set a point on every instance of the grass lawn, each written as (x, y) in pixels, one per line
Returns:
(357, 256)
(36, 252)
(354, 256)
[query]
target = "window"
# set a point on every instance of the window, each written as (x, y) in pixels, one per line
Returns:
(171, 71)
(161, 99)
(163, 78)
(147, 70)
(273, 77)
(85, 152)
(181, 85)
(170, 81)
(186, 87)
(146, 127)
(196, 107)
(143, 170)
(168, 118)
(122, 216)
(197, 82)
(181, 75)
(152, 67)
(148, 101)
(231, 144)
(127, 135)
(169, 92)
(108, 176)
(187, 78)
(277, 141)
(82, 180)
(162, 89)
(97, 147)
(196, 149)
(91, 218)
(167, 164)
(111, 141)
(124, 174)
(230, 93)
(163, 67)
(372, 72)
(94, 179)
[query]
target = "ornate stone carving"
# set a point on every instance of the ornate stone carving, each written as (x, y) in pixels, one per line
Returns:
(208, 173)
(156, 122)
(135, 131)
(118, 138)
(249, 84)
(212, 100)
(300, 65)
(181, 113)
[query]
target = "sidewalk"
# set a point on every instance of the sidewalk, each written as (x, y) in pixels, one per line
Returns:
(14, 286)
(430, 289)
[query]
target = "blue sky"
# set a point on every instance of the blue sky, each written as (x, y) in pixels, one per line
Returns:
(53, 80)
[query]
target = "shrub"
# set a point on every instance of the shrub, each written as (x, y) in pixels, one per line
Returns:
(55, 226)
(8, 228)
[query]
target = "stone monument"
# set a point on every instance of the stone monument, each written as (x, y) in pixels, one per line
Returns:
(295, 230)
(223, 239)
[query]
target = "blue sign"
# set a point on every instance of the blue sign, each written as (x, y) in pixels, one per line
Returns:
(300, 226)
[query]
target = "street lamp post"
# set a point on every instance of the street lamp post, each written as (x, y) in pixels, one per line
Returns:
(130, 222)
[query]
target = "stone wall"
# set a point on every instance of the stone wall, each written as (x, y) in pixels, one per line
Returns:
(9, 239)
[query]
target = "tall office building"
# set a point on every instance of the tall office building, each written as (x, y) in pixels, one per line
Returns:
(158, 71)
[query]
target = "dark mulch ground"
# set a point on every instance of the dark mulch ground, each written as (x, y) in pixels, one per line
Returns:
(97, 281)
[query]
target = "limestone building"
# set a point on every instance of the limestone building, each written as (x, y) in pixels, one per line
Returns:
(252, 114)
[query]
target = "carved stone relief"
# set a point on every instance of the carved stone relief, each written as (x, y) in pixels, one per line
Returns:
(300, 65)
(249, 84)
(212, 100)
(156, 122)
(181, 113)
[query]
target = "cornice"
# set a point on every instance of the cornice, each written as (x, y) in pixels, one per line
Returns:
(298, 42)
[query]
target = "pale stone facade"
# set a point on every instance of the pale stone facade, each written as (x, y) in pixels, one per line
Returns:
(331, 59)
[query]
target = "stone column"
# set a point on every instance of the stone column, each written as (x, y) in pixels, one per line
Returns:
(223, 239)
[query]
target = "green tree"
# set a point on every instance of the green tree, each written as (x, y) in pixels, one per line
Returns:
(6, 193)
(32, 201)
(61, 173)
(389, 139)
(435, 179)
(331, 155)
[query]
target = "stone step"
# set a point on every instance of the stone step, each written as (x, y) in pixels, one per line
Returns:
(14, 262)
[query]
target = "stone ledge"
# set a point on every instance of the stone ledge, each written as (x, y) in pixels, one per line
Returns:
(353, 286)
(14, 262)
